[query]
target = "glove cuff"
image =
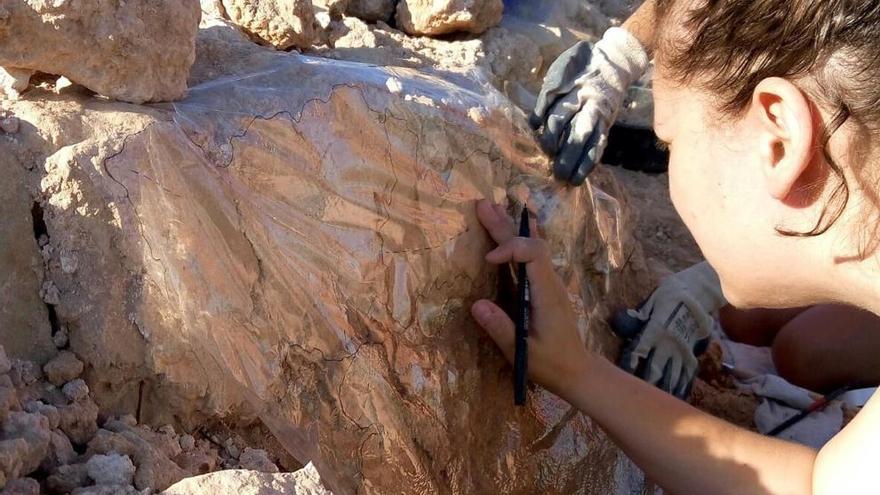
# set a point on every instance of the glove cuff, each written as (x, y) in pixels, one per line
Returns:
(704, 285)
(626, 52)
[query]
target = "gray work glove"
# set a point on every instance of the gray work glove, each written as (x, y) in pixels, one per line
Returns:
(667, 333)
(582, 93)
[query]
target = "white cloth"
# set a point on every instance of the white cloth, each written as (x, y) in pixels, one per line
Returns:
(780, 399)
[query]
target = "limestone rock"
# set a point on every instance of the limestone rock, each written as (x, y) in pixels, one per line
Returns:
(67, 478)
(79, 420)
(63, 368)
(436, 17)
(371, 10)
(132, 51)
(60, 452)
(48, 410)
(75, 390)
(306, 481)
(22, 486)
(306, 254)
(11, 457)
(13, 81)
(256, 460)
(278, 23)
(155, 471)
(34, 430)
(113, 469)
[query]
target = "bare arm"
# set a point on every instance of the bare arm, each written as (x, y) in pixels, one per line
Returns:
(683, 449)
(643, 25)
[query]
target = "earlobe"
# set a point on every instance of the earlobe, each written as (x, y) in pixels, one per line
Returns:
(786, 134)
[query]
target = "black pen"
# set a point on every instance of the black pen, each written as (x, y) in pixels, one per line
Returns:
(521, 354)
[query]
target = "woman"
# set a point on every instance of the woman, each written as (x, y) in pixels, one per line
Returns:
(821, 348)
(771, 111)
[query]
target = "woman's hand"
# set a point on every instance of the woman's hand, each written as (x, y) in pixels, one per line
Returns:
(557, 356)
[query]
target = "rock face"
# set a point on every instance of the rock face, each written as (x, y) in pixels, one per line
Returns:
(436, 17)
(279, 23)
(131, 51)
(306, 481)
(307, 255)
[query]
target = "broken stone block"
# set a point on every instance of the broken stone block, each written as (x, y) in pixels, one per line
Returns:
(187, 442)
(22, 486)
(132, 51)
(155, 470)
(306, 481)
(11, 454)
(75, 390)
(279, 23)
(256, 460)
(8, 402)
(436, 17)
(79, 420)
(112, 469)
(60, 452)
(13, 81)
(63, 368)
(66, 478)
(34, 430)
(47, 410)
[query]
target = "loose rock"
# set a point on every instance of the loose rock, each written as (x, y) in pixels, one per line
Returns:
(257, 460)
(132, 51)
(113, 469)
(75, 390)
(67, 478)
(63, 368)
(279, 23)
(436, 17)
(5, 364)
(22, 486)
(13, 82)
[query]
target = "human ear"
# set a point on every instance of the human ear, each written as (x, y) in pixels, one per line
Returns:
(786, 134)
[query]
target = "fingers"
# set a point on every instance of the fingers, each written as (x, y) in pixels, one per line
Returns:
(497, 324)
(496, 221)
(558, 122)
(560, 79)
(581, 151)
(625, 325)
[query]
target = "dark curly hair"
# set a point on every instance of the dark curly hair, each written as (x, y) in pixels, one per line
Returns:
(832, 46)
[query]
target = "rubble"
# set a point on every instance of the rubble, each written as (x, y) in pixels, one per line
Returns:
(131, 51)
(279, 23)
(13, 81)
(113, 469)
(63, 368)
(437, 17)
(306, 481)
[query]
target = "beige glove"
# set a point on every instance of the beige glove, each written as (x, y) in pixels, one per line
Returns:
(667, 333)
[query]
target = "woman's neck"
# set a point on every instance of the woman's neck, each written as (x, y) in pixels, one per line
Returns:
(859, 283)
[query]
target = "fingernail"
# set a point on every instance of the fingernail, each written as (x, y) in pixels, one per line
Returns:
(482, 311)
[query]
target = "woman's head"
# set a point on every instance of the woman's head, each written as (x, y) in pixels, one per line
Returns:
(772, 109)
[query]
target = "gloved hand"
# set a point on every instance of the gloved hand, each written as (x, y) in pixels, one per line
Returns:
(667, 333)
(582, 93)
